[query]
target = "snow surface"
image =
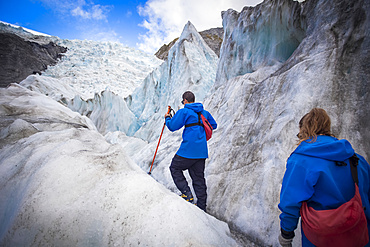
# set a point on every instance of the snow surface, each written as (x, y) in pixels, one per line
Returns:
(63, 184)
(23, 29)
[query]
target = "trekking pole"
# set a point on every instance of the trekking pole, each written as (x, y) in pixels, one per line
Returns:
(164, 125)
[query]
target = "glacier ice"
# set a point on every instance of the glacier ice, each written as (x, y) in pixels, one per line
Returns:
(91, 67)
(263, 118)
(62, 184)
(258, 110)
(309, 54)
(256, 38)
(191, 65)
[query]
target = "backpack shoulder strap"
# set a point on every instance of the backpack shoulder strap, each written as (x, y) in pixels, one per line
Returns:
(198, 123)
(354, 162)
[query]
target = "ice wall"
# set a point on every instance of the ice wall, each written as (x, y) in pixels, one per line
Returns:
(191, 65)
(107, 110)
(258, 112)
(259, 36)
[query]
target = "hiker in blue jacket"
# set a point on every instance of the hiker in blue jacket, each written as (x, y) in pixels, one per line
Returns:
(315, 173)
(193, 150)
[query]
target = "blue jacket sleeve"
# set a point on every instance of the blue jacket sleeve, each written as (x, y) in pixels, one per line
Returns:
(177, 121)
(210, 119)
(298, 186)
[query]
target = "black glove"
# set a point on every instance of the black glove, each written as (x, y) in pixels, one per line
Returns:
(286, 238)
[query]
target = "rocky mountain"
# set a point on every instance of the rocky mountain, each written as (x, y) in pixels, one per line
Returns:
(213, 37)
(162, 53)
(21, 57)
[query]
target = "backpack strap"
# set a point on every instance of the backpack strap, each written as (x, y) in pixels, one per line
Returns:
(198, 123)
(354, 162)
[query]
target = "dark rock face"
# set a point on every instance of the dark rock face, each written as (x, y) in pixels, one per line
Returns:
(213, 37)
(162, 53)
(20, 58)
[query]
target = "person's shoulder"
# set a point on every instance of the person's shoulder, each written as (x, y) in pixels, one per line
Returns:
(363, 160)
(184, 111)
(298, 159)
(206, 113)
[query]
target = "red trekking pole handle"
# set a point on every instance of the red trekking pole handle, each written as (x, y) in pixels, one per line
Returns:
(150, 171)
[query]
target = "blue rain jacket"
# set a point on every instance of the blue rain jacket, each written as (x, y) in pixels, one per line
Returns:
(194, 143)
(312, 175)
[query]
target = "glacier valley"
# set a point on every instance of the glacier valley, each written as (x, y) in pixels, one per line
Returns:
(77, 141)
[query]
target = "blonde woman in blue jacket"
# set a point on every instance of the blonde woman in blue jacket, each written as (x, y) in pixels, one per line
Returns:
(315, 173)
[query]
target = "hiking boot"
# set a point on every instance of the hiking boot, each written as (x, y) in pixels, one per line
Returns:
(205, 210)
(188, 196)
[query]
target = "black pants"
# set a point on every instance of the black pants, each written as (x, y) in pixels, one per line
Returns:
(196, 171)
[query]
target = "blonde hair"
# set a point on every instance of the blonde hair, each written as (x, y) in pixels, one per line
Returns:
(316, 122)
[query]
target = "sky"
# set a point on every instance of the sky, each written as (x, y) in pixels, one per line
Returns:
(141, 24)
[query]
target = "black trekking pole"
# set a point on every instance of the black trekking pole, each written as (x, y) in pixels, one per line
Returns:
(164, 125)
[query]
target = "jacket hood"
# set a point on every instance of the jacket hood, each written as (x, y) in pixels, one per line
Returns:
(197, 107)
(326, 147)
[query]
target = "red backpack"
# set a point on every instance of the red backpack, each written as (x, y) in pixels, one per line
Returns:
(204, 123)
(343, 226)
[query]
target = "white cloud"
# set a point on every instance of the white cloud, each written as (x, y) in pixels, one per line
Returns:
(99, 12)
(79, 12)
(79, 8)
(165, 19)
(95, 12)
